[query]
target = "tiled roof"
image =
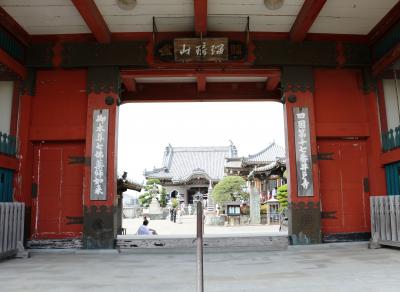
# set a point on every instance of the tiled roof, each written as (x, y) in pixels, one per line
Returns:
(270, 166)
(126, 182)
(270, 154)
(181, 163)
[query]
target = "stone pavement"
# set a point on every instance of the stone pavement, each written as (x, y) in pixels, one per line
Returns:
(333, 267)
(188, 227)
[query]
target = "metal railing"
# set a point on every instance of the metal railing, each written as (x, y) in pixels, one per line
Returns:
(8, 144)
(391, 139)
(385, 220)
(12, 216)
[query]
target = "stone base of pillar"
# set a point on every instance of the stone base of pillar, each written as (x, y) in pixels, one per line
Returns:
(304, 223)
(99, 227)
(211, 218)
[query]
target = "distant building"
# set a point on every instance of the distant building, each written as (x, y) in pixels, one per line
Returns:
(263, 170)
(124, 184)
(188, 170)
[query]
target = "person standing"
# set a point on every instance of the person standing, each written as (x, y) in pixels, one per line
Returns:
(179, 214)
(190, 209)
(273, 193)
(173, 215)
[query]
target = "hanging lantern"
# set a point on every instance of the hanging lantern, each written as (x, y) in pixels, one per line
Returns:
(126, 4)
(273, 4)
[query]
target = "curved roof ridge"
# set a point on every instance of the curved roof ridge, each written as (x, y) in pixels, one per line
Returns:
(200, 148)
(260, 152)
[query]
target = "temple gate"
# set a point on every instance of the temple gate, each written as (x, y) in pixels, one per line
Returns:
(67, 88)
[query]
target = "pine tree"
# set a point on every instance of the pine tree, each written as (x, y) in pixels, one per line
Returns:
(145, 198)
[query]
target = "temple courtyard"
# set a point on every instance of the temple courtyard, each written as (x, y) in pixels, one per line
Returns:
(187, 226)
(329, 267)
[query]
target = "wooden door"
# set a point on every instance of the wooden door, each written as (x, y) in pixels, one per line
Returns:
(58, 190)
(343, 186)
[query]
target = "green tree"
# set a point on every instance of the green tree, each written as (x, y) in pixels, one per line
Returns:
(230, 188)
(282, 196)
(145, 198)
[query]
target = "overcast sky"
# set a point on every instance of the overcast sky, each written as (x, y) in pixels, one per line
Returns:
(145, 129)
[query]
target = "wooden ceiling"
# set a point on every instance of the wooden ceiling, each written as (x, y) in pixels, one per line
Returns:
(39, 17)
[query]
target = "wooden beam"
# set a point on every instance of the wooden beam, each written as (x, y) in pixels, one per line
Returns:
(391, 18)
(189, 92)
(305, 19)
(12, 64)
(383, 63)
(94, 20)
(269, 73)
(201, 83)
(13, 27)
(200, 17)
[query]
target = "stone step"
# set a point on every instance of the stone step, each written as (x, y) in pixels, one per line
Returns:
(265, 242)
(68, 243)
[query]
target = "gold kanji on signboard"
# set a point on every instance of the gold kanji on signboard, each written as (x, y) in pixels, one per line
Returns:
(201, 50)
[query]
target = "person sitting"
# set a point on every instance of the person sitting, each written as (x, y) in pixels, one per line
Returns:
(145, 230)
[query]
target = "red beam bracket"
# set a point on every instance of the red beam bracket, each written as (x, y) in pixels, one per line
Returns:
(272, 83)
(12, 64)
(130, 83)
(305, 19)
(201, 83)
(94, 20)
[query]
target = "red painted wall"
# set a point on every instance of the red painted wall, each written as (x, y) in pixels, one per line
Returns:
(59, 106)
(343, 111)
(57, 113)
(340, 104)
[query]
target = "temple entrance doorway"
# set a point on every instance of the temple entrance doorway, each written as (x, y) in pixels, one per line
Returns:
(172, 159)
(192, 191)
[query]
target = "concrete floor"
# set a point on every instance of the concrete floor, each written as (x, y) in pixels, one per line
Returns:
(334, 267)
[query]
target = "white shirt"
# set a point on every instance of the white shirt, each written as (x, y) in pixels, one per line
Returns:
(144, 230)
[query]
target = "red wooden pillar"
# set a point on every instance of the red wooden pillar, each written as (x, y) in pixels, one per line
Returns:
(23, 180)
(99, 220)
(304, 211)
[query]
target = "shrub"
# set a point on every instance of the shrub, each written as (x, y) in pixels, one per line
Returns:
(263, 209)
(282, 196)
(230, 188)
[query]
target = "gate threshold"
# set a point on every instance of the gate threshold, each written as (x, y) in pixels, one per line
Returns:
(269, 241)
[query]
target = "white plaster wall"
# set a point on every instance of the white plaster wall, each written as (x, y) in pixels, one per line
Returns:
(6, 94)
